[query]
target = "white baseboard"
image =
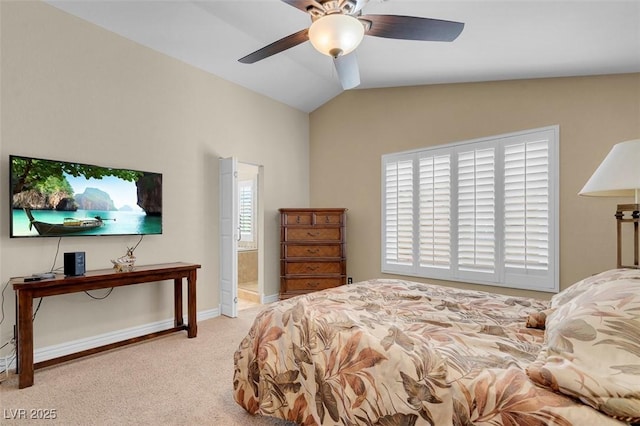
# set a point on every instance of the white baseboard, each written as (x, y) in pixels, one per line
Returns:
(62, 349)
(270, 299)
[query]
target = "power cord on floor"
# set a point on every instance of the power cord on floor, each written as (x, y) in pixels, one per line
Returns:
(12, 341)
(8, 360)
(2, 302)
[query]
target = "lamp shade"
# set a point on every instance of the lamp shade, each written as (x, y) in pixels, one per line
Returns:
(336, 34)
(619, 173)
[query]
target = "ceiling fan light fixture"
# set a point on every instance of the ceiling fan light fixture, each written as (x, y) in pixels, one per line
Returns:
(336, 34)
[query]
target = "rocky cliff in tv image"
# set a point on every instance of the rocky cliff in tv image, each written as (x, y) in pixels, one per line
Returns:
(94, 199)
(150, 193)
(37, 200)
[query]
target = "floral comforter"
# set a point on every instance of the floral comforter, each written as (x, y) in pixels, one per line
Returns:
(390, 352)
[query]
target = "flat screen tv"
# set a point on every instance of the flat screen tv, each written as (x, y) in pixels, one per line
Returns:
(51, 198)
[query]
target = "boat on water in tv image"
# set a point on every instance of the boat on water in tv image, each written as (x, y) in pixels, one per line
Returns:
(68, 226)
(51, 198)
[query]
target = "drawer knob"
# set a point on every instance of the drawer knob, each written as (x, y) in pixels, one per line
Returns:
(313, 234)
(313, 251)
(312, 267)
(298, 219)
(313, 285)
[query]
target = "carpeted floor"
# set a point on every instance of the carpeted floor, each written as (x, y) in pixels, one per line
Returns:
(171, 380)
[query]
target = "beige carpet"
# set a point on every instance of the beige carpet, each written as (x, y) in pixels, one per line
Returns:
(171, 380)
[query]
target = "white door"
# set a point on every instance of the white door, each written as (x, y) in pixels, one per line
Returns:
(228, 237)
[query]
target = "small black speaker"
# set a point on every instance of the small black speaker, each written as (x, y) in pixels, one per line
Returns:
(74, 264)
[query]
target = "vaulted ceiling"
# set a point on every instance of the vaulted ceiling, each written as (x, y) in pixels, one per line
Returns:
(501, 40)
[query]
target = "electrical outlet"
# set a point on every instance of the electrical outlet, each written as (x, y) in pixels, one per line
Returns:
(349, 280)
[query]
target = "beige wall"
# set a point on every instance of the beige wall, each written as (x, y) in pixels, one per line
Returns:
(247, 266)
(73, 91)
(350, 133)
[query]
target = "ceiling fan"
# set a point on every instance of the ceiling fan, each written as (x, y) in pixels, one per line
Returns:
(338, 27)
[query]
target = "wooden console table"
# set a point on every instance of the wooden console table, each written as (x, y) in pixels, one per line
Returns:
(93, 280)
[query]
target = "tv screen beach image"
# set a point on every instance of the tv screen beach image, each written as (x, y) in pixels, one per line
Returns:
(55, 198)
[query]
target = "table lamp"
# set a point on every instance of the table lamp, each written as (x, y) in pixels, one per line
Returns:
(619, 176)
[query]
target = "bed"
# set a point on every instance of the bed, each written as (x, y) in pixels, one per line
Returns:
(394, 352)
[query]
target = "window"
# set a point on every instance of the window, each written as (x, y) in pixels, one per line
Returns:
(482, 211)
(246, 209)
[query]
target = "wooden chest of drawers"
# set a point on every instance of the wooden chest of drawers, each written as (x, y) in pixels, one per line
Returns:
(312, 250)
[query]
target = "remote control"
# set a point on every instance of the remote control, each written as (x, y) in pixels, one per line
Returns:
(47, 275)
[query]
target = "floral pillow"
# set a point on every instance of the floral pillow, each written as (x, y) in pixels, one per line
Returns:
(592, 348)
(581, 286)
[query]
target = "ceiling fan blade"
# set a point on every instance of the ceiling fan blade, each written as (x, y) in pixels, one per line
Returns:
(348, 70)
(412, 28)
(276, 47)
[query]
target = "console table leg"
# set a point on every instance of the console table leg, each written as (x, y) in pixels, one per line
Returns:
(177, 299)
(25, 339)
(192, 329)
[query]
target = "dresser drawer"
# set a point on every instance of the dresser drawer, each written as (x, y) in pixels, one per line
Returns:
(312, 268)
(327, 218)
(312, 234)
(310, 284)
(296, 251)
(297, 218)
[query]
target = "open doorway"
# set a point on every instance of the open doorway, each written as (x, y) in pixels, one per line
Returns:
(249, 293)
(241, 236)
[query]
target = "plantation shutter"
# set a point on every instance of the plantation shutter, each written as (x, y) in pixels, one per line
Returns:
(245, 209)
(526, 202)
(398, 237)
(529, 217)
(476, 211)
(435, 211)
